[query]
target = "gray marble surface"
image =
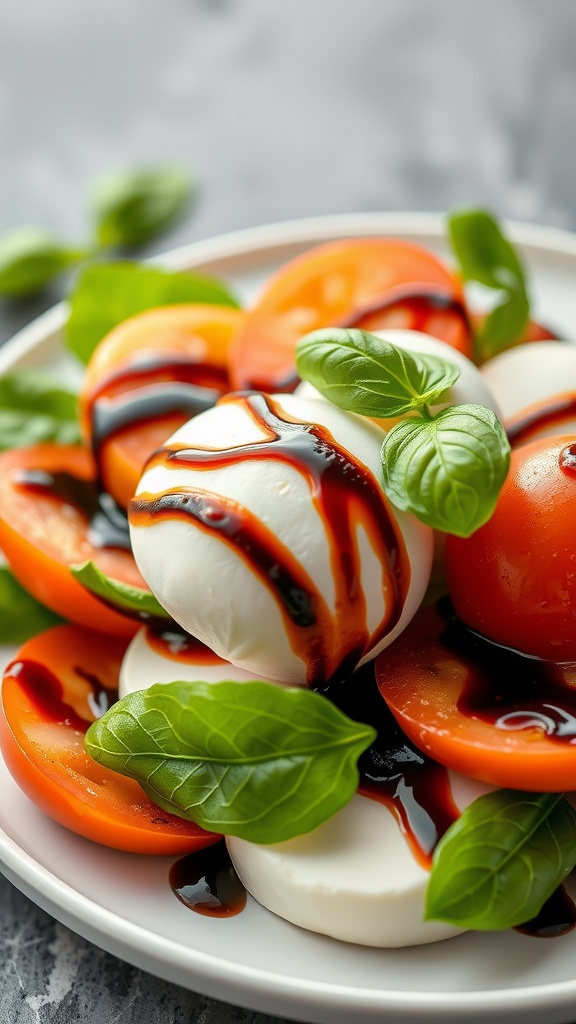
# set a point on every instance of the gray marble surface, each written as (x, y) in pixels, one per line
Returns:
(281, 109)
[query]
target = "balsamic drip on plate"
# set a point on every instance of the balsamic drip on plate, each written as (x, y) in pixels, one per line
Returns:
(206, 882)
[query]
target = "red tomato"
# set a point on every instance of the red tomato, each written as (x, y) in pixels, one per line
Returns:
(514, 579)
(492, 715)
(49, 696)
(43, 534)
(324, 287)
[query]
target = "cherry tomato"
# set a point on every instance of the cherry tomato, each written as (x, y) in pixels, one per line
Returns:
(478, 710)
(322, 287)
(50, 694)
(514, 579)
(45, 530)
(186, 345)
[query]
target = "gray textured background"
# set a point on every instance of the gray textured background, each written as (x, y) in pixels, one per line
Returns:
(282, 108)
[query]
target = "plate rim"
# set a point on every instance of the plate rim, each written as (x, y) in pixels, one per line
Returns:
(248, 985)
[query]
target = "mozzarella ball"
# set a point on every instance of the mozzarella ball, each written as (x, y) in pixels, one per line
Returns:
(353, 878)
(148, 661)
(270, 539)
(535, 385)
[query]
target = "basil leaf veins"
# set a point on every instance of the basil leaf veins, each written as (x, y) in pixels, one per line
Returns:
(486, 256)
(107, 293)
(500, 862)
(262, 762)
(447, 469)
(130, 600)
(35, 408)
(366, 374)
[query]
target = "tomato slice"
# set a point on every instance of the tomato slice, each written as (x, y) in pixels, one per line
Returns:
(478, 709)
(50, 694)
(45, 530)
(148, 377)
(322, 287)
(428, 309)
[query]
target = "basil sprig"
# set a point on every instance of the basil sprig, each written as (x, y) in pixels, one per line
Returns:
(35, 408)
(132, 601)
(21, 615)
(262, 762)
(447, 467)
(486, 256)
(357, 370)
(500, 862)
(107, 293)
(133, 206)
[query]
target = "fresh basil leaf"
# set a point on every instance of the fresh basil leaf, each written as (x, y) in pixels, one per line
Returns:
(366, 374)
(34, 408)
(126, 599)
(262, 762)
(132, 207)
(21, 615)
(107, 293)
(500, 862)
(30, 258)
(447, 469)
(486, 256)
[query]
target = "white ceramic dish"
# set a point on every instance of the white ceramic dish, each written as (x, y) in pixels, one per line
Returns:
(123, 903)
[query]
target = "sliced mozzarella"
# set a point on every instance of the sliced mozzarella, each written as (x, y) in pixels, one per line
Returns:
(146, 663)
(353, 878)
(208, 585)
(536, 382)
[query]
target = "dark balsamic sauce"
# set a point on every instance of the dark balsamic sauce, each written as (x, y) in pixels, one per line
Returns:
(393, 771)
(419, 303)
(549, 414)
(507, 689)
(108, 523)
(343, 492)
(206, 882)
(45, 691)
(557, 917)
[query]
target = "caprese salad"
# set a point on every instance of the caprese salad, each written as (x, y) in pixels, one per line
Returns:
(313, 602)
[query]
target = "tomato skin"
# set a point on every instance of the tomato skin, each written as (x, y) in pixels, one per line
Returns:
(514, 579)
(421, 680)
(45, 753)
(196, 336)
(42, 537)
(320, 288)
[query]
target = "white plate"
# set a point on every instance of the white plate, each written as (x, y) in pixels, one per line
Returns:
(123, 903)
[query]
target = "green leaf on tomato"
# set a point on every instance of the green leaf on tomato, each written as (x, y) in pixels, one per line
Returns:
(366, 374)
(486, 256)
(262, 762)
(108, 293)
(499, 863)
(21, 615)
(447, 469)
(35, 408)
(122, 597)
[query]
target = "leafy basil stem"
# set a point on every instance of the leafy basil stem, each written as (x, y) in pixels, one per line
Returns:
(129, 600)
(503, 858)
(262, 762)
(132, 207)
(486, 256)
(445, 465)
(30, 258)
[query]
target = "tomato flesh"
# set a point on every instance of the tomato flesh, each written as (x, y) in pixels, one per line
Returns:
(50, 694)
